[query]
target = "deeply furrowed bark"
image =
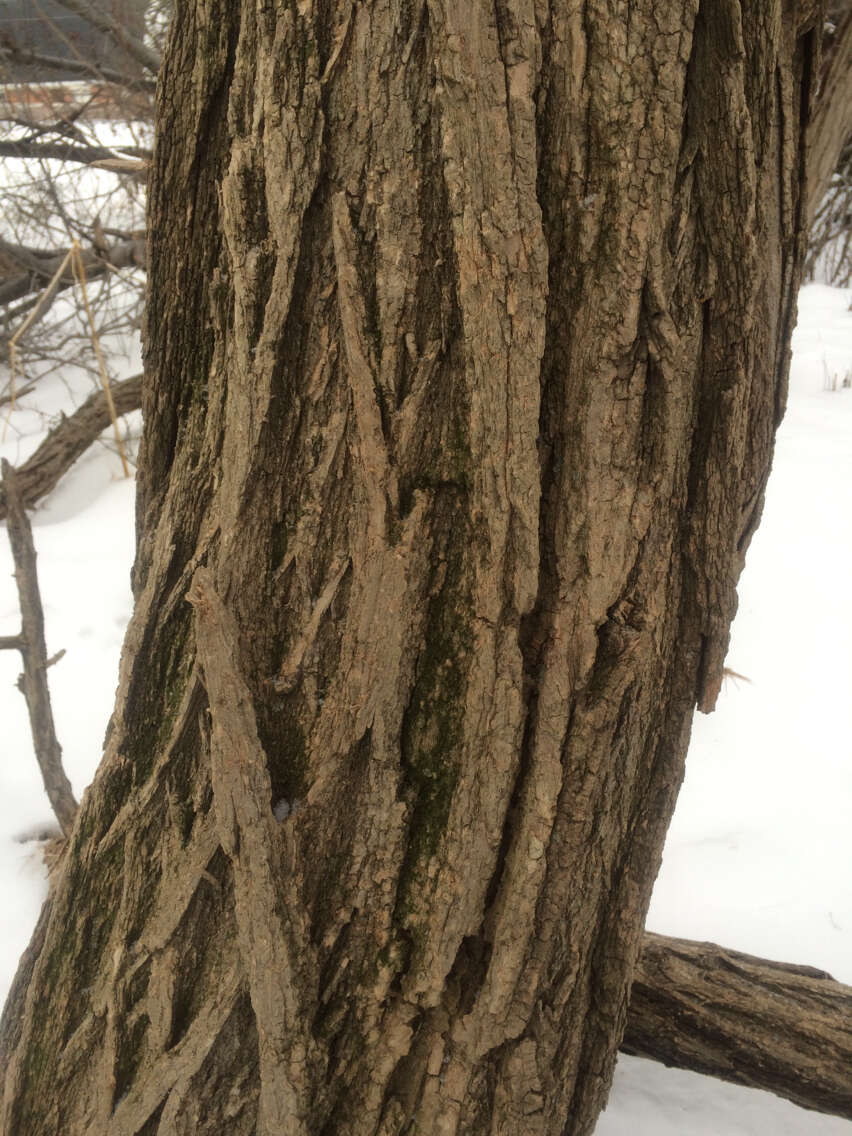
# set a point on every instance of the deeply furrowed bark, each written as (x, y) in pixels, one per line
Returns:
(467, 339)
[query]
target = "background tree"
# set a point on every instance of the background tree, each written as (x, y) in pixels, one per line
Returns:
(468, 334)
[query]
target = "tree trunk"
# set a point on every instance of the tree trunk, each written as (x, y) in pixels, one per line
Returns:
(467, 339)
(768, 1025)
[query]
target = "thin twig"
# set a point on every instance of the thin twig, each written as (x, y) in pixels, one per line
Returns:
(13, 340)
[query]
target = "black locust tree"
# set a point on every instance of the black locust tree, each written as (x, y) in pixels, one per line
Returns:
(467, 338)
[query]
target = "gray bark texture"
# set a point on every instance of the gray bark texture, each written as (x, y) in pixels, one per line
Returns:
(467, 339)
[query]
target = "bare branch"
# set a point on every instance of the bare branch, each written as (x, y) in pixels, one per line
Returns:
(33, 682)
(69, 440)
(10, 53)
(126, 254)
(69, 152)
(101, 20)
(768, 1025)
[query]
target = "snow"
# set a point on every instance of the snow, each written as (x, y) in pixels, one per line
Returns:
(759, 852)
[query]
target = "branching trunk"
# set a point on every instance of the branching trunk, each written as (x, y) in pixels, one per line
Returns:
(768, 1025)
(467, 338)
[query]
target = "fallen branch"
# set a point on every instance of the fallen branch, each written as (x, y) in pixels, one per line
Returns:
(33, 681)
(768, 1025)
(69, 440)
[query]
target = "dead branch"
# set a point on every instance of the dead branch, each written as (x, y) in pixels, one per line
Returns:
(33, 681)
(768, 1025)
(69, 440)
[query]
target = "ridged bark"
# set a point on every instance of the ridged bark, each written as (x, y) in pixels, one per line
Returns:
(467, 338)
(768, 1025)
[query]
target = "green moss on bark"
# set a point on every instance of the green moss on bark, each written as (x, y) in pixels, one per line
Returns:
(433, 725)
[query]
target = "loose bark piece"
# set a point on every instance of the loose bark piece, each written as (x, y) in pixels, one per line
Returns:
(33, 681)
(769, 1025)
(69, 440)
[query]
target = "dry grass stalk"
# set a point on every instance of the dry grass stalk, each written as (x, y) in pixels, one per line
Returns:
(80, 276)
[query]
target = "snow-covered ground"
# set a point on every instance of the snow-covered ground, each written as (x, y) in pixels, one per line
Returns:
(760, 849)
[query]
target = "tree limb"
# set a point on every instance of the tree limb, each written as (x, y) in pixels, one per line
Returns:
(768, 1025)
(71, 152)
(125, 254)
(33, 682)
(12, 54)
(69, 440)
(99, 18)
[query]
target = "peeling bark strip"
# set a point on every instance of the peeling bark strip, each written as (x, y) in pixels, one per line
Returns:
(768, 1025)
(467, 337)
(33, 681)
